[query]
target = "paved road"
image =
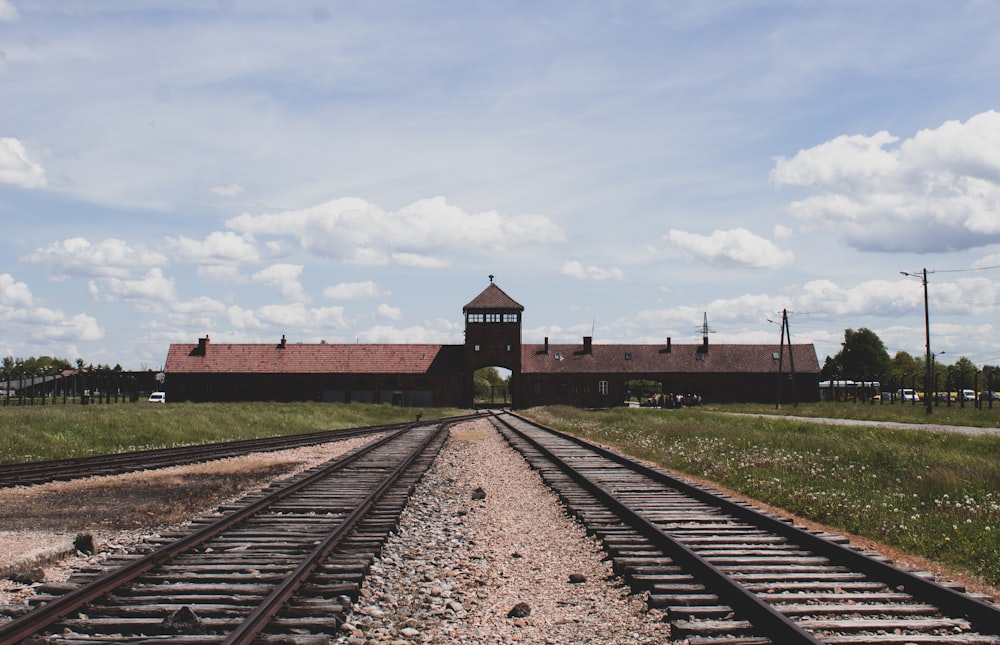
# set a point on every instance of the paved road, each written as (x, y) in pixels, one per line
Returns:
(884, 424)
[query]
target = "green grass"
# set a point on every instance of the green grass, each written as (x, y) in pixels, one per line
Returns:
(932, 494)
(36, 433)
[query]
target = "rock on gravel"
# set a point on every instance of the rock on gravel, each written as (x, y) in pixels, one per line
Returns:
(484, 554)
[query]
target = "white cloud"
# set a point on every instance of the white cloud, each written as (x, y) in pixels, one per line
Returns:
(8, 12)
(298, 316)
(16, 168)
(80, 327)
(935, 192)
(285, 278)
(734, 247)
(352, 291)
(419, 261)
(354, 230)
(228, 190)
(846, 162)
(17, 307)
(219, 247)
(386, 311)
(76, 256)
(152, 287)
(872, 298)
(576, 270)
(989, 261)
(436, 331)
(13, 293)
(199, 306)
(220, 273)
(242, 318)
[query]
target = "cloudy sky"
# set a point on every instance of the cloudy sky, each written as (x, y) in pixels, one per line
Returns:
(354, 172)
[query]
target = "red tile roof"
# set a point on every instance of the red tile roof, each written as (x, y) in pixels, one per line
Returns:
(315, 358)
(492, 298)
(720, 359)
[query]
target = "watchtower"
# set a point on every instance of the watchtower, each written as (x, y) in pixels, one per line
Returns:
(492, 338)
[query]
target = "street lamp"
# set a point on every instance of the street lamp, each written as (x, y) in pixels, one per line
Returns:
(927, 334)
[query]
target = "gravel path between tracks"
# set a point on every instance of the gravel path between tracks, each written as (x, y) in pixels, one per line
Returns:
(482, 535)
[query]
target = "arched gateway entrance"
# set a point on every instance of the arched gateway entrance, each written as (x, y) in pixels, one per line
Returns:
(492, 339)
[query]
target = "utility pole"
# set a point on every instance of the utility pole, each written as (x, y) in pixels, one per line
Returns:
(927, 336)
(781, 357)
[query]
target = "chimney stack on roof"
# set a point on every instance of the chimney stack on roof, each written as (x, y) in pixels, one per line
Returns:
(282, 345)
(203, 345)
(546, 345)
(588, 344)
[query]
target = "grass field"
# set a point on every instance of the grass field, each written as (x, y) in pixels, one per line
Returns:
(932, 494)
(36, 433)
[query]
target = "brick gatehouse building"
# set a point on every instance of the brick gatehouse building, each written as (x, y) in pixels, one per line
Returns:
(422, 375)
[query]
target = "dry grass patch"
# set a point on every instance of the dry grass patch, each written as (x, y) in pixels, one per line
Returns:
(141, 500)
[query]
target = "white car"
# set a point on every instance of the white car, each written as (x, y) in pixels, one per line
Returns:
(906, 394)
(157, 397)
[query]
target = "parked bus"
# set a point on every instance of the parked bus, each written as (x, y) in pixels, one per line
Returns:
(836, 390)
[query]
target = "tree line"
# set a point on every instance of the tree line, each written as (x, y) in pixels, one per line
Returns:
(864, 357)
(35, 365)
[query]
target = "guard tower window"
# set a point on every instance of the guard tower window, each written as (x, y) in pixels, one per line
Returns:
(475, 318)
(493, 318)
(510, 318)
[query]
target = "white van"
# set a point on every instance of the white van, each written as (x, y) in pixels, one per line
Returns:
(906, 394)
(157, 397)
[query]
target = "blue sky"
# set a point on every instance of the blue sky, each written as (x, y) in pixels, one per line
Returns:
(353, 172)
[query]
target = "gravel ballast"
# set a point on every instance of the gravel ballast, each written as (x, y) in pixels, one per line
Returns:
(486, 554)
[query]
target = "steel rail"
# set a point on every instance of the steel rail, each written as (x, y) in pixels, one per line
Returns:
(983, 616)
(258, 619)
(17, 474)
(44, 615)
(765, 618)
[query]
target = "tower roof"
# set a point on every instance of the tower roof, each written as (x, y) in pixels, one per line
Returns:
(493, 298)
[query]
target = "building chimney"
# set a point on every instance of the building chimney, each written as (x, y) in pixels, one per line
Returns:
(668, 344)
(282, 345)
(588, 344)
(546, 345)
(203, 345)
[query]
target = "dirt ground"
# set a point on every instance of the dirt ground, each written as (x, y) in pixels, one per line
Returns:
(38, 524)
(146, 501)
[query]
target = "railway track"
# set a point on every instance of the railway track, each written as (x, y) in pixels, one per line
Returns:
(723, 572)
(283, 567)
(40, 472)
